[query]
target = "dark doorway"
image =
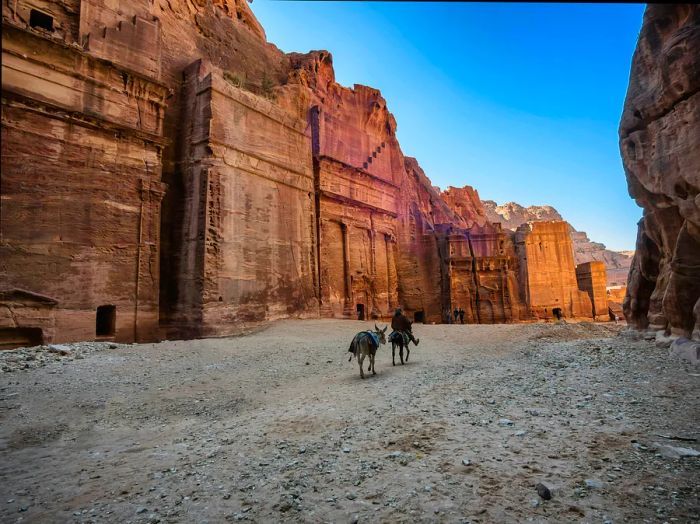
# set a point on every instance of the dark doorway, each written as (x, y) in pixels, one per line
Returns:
(557, 313)
(105, 321)
(419, 316)
(360, 311)
(11, 338)
(39, 19)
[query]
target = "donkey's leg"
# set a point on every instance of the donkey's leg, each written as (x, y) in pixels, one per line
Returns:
(408, 352)
(361, 360)
(393, 353)
(371, 361)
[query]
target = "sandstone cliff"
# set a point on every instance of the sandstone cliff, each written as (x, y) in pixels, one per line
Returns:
(659, 142)
(512, 215)
(188, 177)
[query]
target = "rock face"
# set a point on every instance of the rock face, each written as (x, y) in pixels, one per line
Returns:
(591, 279)
(81, 180)
(617, 263)
(511, 215)
(166, 172)
(659, 140)
(246, 245)
(548, 272)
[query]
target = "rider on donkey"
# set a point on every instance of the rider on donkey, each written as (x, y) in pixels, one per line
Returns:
(401, 324)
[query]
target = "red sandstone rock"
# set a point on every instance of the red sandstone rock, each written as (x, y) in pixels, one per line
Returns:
(659, 145)
(512, 215)
(548, 272)
(591, 279)
(287, 193)
(466, 203)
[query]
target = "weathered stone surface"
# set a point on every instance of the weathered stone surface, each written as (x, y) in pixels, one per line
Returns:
(81, 189)
(246, 251)
(26, 319)
(686, 349)
(591, 279)
(284, 193)
(548, 272)
(659, 143)
(617, 263)
(511, 215)
(465, 202)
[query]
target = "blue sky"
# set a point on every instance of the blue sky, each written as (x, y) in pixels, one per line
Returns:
(521, 101)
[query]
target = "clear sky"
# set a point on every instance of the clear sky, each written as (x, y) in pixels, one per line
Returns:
(521, 101)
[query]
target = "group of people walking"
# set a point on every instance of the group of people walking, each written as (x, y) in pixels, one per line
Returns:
(458, 313)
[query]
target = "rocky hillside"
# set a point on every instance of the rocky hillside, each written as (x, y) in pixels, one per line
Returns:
(512, 214)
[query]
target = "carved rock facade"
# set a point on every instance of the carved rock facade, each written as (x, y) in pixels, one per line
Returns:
(512, 215)
(168, 173)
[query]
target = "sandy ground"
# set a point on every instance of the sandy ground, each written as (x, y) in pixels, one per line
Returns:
(277, 426)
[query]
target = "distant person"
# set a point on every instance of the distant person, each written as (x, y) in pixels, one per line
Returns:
(456, 314)
(461, 316)
(401, 324)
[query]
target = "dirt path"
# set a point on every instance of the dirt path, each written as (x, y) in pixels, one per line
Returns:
(277, 426)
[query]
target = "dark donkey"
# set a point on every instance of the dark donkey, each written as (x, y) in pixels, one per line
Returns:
(398, 339)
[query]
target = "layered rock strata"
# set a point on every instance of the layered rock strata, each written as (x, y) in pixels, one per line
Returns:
(591, 279)
(82, 139)
(659, 138)
(547, 271)
(511, 215)
(166, 172)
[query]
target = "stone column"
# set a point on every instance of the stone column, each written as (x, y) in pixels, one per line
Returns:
(390, 270)
(346, 266)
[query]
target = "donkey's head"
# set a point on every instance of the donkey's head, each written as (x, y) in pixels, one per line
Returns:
(381, 333)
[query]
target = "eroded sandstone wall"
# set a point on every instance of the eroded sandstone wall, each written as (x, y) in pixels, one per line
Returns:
(483, 265)
(287, 193)
(548, 272)
(660, 146)
(377, 209)
(247, 245)
(512, 215)
(81, 183)
(592, 279)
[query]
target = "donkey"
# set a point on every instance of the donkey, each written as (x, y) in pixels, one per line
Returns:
(398, 339)
(365, 344)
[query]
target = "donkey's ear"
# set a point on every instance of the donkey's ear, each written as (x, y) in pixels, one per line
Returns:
(375, 327)
(385, 328)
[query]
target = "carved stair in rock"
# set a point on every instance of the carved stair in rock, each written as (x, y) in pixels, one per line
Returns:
(373, 155)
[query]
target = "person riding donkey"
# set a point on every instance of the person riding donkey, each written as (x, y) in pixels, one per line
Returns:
(401, 324)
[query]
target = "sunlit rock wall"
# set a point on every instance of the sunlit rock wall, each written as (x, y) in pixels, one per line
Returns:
(483, 265)
(376, 208)
(511, 215)
(592, 279)
(548, 272)
(284, 194)
(660, 146)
